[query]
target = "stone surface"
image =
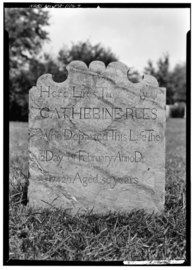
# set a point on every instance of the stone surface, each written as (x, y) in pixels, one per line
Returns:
(97, 141)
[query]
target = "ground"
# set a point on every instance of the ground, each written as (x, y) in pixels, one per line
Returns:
(55, 235)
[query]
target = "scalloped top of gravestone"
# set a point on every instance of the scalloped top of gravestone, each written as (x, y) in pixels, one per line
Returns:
(97, 141)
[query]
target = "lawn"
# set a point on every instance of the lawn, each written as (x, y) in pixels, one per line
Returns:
(55, 235)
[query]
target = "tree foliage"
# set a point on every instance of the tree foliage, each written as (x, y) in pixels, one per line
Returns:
(178, 82)
(26, 33)
(86, 52)
(174, 81)
(25, 27)
(161, 73)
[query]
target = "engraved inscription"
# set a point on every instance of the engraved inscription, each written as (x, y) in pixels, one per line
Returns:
(146, 135)
(97, 179)
(99, 113)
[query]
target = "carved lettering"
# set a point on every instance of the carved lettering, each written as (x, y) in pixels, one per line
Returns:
(103, 113)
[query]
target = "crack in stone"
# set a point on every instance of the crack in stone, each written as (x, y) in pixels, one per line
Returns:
(34, 160)
(143, 186)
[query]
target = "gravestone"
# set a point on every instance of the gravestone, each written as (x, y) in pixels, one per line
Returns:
(97, 141)
(168, 111)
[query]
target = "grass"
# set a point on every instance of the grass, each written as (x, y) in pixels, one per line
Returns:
(55, 235)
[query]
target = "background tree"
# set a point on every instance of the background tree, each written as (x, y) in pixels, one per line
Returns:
(26, 33)
(25, 27)
(162, 74)
(86, 52)
(150, 69)
(174, 81)
(178, 82)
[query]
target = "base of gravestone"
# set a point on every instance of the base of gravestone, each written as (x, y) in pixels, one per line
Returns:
(80, 199)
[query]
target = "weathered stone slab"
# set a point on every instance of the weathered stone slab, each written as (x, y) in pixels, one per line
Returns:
(97, 141)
